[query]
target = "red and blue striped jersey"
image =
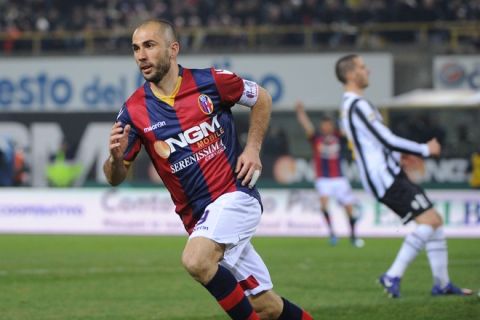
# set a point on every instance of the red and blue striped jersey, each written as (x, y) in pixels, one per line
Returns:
(326, 155)
(190, 139)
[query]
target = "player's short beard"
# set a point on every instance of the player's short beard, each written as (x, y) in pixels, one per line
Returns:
(161, 69)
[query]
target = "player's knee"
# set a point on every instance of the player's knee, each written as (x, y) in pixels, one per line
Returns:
(430, 217)
(438, 222)
(196, 266)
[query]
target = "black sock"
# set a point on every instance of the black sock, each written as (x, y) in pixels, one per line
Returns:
(352, 221)
(329, 222)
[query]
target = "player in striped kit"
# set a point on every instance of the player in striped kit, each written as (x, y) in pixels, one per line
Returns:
(377, 154)
(182, 118)
(330, 182)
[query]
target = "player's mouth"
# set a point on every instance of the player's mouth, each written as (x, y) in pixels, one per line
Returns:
(147, 68)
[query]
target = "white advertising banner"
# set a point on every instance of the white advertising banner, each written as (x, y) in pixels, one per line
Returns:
(103, 83)
(293, 212)
(456, 72)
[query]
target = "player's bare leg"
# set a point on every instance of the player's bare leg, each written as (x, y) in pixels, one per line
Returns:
(200, 258)
(267, 304)
(328, 220)
(270, 306)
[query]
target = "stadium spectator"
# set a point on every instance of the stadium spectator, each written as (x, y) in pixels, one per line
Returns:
(377, 153)
(119, 15)
(329, 182)
(183, 118)
(7, 162)
(474, 169)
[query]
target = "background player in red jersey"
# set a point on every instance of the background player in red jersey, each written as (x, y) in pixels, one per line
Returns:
(183, 119)
(330, 182)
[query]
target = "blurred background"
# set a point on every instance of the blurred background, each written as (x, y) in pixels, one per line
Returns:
(66, 67)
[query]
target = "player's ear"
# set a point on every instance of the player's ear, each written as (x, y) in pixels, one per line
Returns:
(175, 49)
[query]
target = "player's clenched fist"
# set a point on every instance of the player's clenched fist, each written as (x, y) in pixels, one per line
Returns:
(434, 147)
(118, 140)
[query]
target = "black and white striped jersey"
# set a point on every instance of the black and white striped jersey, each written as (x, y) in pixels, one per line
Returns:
(377, 150)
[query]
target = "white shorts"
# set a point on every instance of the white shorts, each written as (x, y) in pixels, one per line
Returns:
(338, 188)
(232, 220)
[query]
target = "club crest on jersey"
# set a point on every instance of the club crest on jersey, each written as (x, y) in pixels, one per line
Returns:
(205, 104)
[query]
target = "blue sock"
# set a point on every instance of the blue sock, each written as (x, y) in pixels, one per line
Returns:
(293, 312)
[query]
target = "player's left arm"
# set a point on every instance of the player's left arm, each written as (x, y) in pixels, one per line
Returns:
(249, 165)
(304, 120)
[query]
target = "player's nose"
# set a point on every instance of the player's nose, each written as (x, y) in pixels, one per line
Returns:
(141, 55)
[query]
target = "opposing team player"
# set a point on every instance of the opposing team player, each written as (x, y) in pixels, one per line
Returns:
(377, 154)
(330, 183)
(182, 117)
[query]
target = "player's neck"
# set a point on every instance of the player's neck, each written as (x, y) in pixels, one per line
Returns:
(167, 85)
(354, 89)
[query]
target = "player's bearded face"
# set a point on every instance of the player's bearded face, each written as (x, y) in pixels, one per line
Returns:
(160, 68)
(361, 74)
(362, 79)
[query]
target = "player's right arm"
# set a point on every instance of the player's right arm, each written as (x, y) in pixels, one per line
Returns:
(304, 120)
(390, 140)
(114, 168)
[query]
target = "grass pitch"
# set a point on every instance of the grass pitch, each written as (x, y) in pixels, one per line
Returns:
(113, 277)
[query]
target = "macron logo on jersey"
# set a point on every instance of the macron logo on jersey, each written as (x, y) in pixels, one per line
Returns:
(155, 126)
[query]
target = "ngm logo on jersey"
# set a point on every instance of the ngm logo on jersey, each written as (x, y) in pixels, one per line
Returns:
(206, 137)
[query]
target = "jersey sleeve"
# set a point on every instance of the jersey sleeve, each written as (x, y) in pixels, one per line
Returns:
(234, 89)
(134, 142)
(374, 124)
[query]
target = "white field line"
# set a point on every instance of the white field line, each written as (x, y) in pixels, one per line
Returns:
(79, 271)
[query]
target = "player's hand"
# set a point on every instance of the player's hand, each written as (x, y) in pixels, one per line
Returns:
(118, 140)
(434, 147)
(249, 167)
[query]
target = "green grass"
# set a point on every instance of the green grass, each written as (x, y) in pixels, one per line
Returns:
(113, 277)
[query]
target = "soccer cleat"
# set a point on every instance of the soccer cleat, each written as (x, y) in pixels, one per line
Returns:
(391, 285)
(450, 289)
(357, 242)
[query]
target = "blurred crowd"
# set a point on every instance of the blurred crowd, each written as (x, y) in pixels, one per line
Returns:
(58, 15)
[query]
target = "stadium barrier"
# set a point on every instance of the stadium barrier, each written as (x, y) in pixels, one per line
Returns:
(374, 34)
(137, 211)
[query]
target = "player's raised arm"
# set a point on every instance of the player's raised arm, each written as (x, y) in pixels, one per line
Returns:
(114, 168)
(249, 165)
(304, 120)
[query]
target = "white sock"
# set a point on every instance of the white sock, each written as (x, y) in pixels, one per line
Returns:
(438, 257)
(412, 245)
